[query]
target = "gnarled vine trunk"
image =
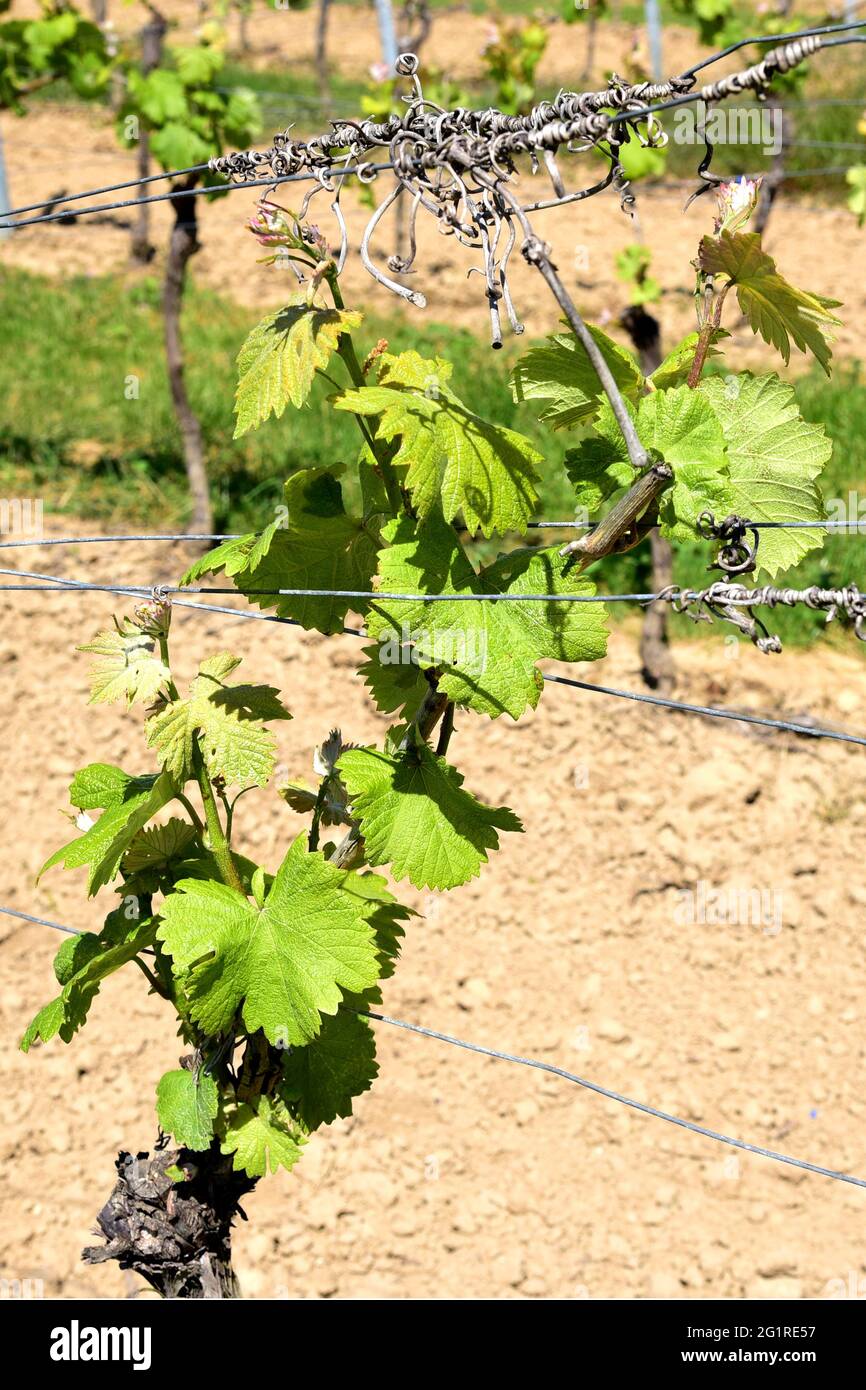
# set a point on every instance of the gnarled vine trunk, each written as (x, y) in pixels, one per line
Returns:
(322, 72)
(176, 1235)
(152, 40)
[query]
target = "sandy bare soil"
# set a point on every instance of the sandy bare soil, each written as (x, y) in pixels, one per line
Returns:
(459, 1175)
(453, 47)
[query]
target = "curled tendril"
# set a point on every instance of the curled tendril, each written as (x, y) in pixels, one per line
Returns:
(460, 166)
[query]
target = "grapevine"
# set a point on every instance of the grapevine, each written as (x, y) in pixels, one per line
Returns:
(269, 970)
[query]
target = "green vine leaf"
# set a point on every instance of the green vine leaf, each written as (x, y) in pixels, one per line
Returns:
(157, 846)
(682, 427)
(130, 802)
(321, 1080)
(68, 1012)
(316, 546)
(395, 681)
(694, 491)
(73, 954)
(674, 370)
(453, 458)
(281, 356)
(186, 1106)
(559, 372)
(416, 817)
(129, 667)
(685, 431)
(774, 308)
(283, 965)
(158, 856)
(102, 785)
(241, 553)
(230, 720)
(486, 652)
(774, 458)
(262, 1136)
(597, 468)
(386, 916)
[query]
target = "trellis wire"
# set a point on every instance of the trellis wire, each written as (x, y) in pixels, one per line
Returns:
(813, 597)
(203, 190)
(710, 711)
(39, 921)
(158, 591)
(195, 168)
(853, 527)
(537, 1065)
(772, 39)
(109, 187)
(815, 37)
(105, 540)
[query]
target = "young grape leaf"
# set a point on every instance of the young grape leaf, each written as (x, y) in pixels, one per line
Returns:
(68, 1012)
(186, 1107)
(230, 721)
(386, 917)
(129, 666)
(596, 468)
(321, 1080)
(122, 922)
(233, 556)
(774, 308)
(283, 965)
(155, 847)
(317, 546)
(393, 677)
(262, 1135)
(695, 490)
(130, 803)
(678, 363)
(73, 954)
(160, 96)
(304, 799)
(158, 856)
(486, 652)
(559, 372)
(682, 427)
(177, 145)
(453, 458)
(281, 356)
(687, 434)
(416, 817)
(197, 65)
(101, 785)
(774, 457)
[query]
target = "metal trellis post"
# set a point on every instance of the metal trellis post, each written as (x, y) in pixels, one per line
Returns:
(654, 34)
(5, 200)
(387, 34)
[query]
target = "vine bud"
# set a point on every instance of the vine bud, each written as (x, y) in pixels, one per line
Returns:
(153, 618)
(737, 201)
